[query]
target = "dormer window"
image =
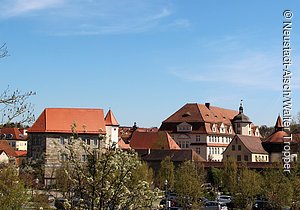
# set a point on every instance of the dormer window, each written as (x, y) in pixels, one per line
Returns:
(230, 130)
(214, 128)
(184, 127)
(222, 128)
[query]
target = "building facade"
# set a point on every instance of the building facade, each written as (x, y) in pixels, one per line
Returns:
(207, 129)
(246, 149)
(58, 127)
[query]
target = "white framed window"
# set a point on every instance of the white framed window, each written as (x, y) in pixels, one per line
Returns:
(198, 138)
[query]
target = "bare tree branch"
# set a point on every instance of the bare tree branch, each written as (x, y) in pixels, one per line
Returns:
(3, 51)
(14, 106)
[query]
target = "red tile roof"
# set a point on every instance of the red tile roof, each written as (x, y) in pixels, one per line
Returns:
(9, 150)
(276, 137)
(152, 140)
(15, 132)
(21, 153)
(279, 123)
(201, 117)
(252, 143)
(60, 120)
(123, 145)
(110, 119)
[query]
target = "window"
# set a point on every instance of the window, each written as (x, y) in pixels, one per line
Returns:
(218, 150)
(198, 138)
(62, 140)
(209, 150)
(239, 147)
(88, 141)
(95, 142)
(233, 147)
(198, 150)
(63, 157)
(238, 158)
(246, 158)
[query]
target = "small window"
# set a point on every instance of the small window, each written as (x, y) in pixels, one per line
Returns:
(239, 158)
(88, 141)
(198, 138)
(95, 142)
(62, 140)
(233, 147)
(246, 158)
(239, 147)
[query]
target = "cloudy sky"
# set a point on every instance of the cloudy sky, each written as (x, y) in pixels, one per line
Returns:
(146, 59)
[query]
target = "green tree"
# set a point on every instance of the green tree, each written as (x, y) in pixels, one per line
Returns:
(189, 178)
(215, 176)
(295, 183)
(249, 186)
(166, 172)
(143, 172)
(277, 188)
(12, 191)
(230, 175)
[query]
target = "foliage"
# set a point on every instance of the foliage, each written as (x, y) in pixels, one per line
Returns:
(230, 175)
(12, 191)
(249, 187)
(215, 176)
(107, 179)
(166, 172)
(188, 183)
(277, 188)
(266, 131)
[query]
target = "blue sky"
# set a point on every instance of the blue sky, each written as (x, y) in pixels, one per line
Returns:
(146, 59)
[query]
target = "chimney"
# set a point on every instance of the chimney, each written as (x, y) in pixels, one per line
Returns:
(207, 105)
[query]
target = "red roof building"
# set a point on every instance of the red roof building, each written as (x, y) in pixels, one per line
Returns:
(247, 149)
(55, 128)
(275, 143)
(207, 129)
(60, 120)
(14, 138)
(152, 140)
(110, 119)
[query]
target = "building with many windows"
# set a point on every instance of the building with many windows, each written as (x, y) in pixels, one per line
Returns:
(57, 127)
(247, 149)
(207, 129)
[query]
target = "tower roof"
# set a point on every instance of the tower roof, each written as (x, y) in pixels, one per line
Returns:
(110, 119)
(241, 117)
(279, 125)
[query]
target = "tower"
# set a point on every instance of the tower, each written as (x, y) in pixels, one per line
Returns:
(112, 129)
(241, 122)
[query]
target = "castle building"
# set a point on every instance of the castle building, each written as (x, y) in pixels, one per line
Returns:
(207, 129)
(55, 128)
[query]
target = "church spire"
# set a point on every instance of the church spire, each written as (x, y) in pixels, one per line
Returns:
(279, 126)
(241, 109)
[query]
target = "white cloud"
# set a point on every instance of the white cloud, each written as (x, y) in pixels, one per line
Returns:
(20, 7)
(89, 17)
